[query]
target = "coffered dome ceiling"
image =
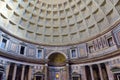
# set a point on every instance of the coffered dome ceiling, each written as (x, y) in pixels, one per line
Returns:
(58, 22)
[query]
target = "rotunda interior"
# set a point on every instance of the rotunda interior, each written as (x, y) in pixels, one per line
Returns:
(59, 39)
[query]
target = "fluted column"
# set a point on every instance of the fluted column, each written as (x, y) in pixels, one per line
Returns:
(100, 71)
(109, 73)
(91, 71)
(68, 71)
(14, 72)
(22, 74)
(7, 70)
(30, 73)
(46, 71)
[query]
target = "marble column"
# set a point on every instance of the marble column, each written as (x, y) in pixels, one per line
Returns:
(83, 73)
(35, 78)
(109, 73)
(22, 74)
(91, 72)
(46, 71)
(68, 71)
(100, 72)
(7, 70)
(30, 73)
(14, 72)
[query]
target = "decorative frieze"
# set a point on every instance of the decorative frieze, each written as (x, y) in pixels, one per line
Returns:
(82, 50)
(31, 52)
(13, 47)
(116, 32)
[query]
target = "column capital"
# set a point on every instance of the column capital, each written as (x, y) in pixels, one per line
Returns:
(23, 65)
(67, 61)
(46, 64)
(7, 63)
(90, 65)
(67, 64)
(98, 65)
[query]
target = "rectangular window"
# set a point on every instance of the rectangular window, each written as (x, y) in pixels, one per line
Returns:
(110, 41)
(22, 50)
(91, 49)
(4, 42)
(73, 53)
(39, 55)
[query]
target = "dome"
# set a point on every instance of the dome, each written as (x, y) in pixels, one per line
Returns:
(58, 22)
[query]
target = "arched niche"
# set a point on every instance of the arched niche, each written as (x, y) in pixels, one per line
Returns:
(56, 59)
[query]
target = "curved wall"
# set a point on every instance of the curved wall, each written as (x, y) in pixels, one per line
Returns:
(101, 51)
(102, 45)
